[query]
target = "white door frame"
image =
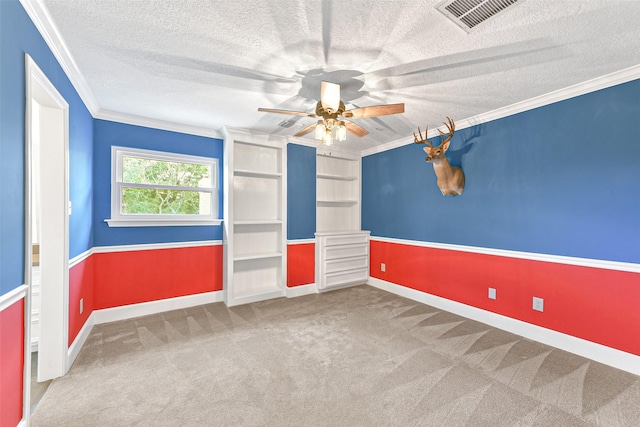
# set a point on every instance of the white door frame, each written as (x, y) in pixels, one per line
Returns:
(53, 360)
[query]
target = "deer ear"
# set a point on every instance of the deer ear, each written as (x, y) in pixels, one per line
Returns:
(426, 150)
(445, 146)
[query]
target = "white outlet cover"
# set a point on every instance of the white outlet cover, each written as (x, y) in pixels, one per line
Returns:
(538, 304)
(492, 293)
(383, 267)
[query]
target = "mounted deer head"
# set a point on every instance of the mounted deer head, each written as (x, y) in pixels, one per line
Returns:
(450, 178)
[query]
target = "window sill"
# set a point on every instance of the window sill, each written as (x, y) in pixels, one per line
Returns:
(160, 222)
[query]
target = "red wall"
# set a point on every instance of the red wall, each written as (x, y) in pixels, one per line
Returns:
(131, 277)
(11, 363)
(301, 264)
(80, 286)
(594, 304)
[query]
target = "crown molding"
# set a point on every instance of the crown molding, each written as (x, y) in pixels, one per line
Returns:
(44, 23)
(252, 136)
(302, 141)
(132, 119)
(602, 82)
(41, 18)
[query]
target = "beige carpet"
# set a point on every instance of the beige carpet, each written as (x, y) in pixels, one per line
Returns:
(352, 357)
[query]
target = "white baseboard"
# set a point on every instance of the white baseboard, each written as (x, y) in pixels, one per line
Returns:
(78, 342)
(114, 314)
(22, 423)
(298, 291)
(597, 352)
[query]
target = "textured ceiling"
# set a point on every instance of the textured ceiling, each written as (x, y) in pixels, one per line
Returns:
(213, 63)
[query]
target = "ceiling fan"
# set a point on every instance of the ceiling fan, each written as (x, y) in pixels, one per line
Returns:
(332, 112)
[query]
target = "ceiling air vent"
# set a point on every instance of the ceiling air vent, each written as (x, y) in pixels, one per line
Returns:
(467, 14)
(286, 123)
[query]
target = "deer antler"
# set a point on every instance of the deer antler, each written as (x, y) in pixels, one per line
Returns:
(451, 126)
(422, 140)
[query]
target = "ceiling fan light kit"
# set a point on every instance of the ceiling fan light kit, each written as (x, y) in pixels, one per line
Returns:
(331, 110)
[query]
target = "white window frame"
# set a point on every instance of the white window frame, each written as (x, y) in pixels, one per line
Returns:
(119, 219)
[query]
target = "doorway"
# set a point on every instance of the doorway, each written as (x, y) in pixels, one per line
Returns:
(47, 226)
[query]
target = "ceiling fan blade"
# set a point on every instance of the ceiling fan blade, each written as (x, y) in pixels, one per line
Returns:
(354, 128)
(330, 96)
(293, 113)
(306, 130)
(375, 111)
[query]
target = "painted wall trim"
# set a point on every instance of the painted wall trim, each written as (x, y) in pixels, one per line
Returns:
(114, 314)
(558, 259)
(131, 119)
(12, 297)
(140, 247)
(301, 290)
(154, 246)
(301, 241)
(602, 82)
(41, 18)
(81, 257)
(81, 338)
(609, 356)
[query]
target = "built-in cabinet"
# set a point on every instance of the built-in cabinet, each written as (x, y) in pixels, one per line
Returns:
(254, 216)
(342, 258)
(342, 249)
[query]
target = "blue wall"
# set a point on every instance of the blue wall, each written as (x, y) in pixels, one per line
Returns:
(18, 36)
(563, 179)
(108, 134)
(301, 192)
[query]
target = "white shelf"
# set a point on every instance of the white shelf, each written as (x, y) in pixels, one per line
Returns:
(263, 255)
(337, 202)
(258, 294)
(256, 174)
(258, 222)
(337, 177)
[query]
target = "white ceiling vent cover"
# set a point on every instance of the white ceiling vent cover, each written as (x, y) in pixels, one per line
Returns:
(467, 14)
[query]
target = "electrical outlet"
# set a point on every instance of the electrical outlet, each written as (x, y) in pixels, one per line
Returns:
(383, 267)
(492, 293)
(538, 304)
(81, 305)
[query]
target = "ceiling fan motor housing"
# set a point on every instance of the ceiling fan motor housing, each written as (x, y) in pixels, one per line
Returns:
(328, 113)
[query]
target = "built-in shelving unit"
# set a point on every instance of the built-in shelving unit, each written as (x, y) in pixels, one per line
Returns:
(342, 249)
(338, 191)
(254, 217)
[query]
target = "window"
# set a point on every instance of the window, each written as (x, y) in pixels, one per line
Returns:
(152, 188)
